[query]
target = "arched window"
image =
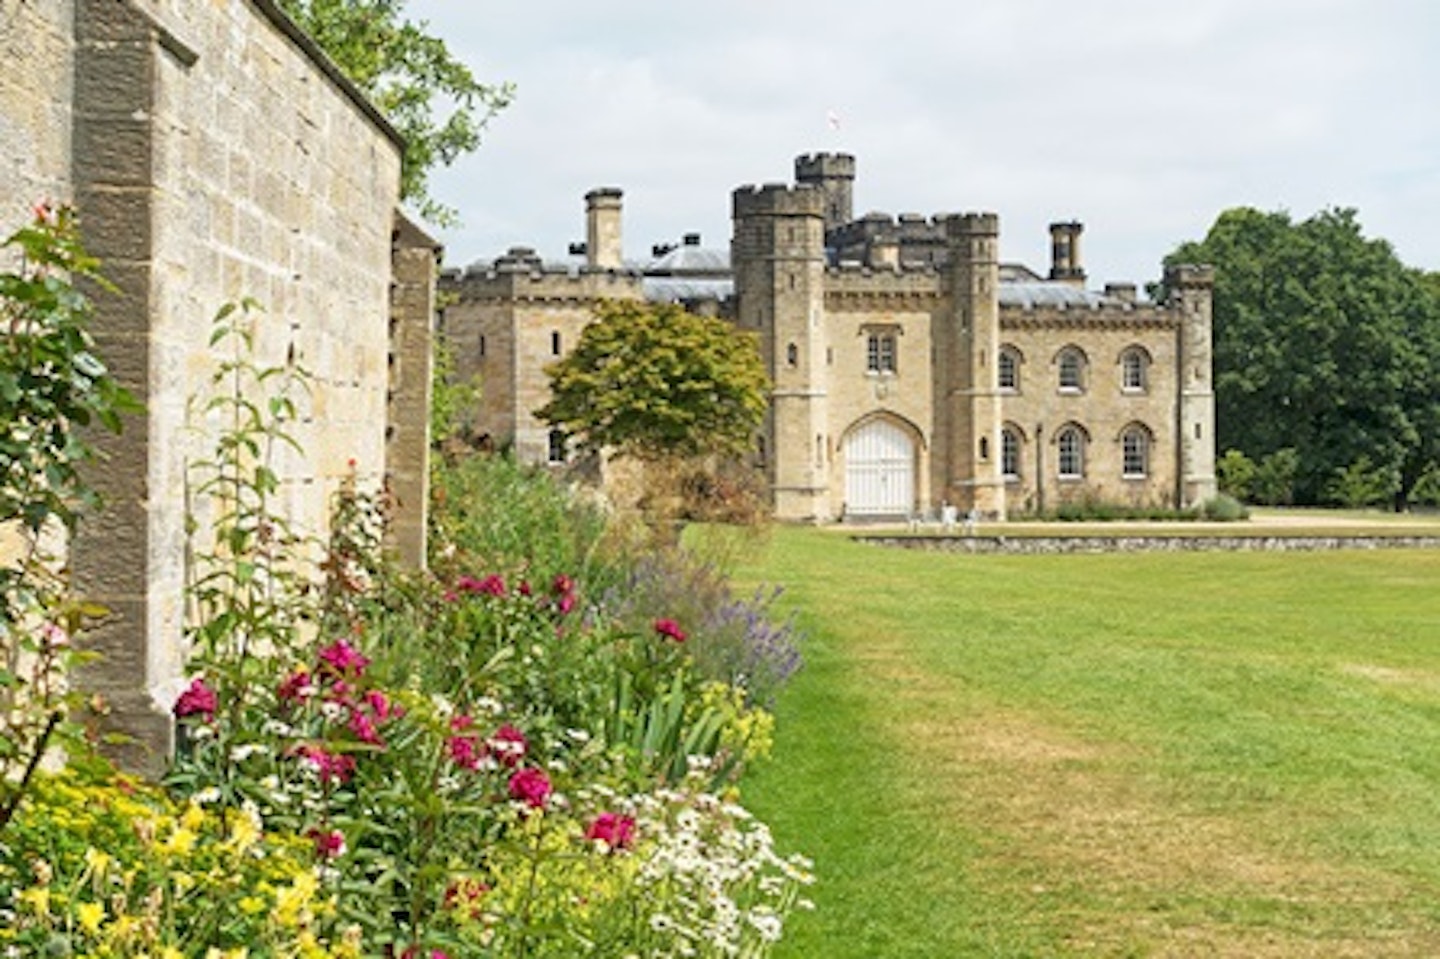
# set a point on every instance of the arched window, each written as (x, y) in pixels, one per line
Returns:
(1008, 373)
(1072, 370)
(1134, 370)
(1072, 452)
(1010, 453)
(1135, 447)
(555, 343)
(792, 354)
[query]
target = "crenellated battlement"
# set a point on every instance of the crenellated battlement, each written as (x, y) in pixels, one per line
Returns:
(814, 166)
(1189, 275)
(521, 274)
(778, 199)
(964, 225)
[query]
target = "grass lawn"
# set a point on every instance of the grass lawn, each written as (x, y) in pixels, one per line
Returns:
(1109, 755)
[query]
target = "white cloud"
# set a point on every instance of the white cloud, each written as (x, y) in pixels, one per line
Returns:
(1143, 118)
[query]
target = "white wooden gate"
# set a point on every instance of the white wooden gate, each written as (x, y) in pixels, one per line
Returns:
(879, 471)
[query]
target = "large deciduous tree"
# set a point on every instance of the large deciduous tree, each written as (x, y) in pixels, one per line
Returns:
(1325, 343)
(657, 383)
(433, 99)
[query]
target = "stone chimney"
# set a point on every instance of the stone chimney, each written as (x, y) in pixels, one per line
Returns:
(1065, 264)
(603, 250)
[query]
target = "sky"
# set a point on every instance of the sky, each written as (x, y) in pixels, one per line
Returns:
(1143, 119)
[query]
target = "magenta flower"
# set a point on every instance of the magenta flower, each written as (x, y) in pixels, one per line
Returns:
(492, 585)
(344, 658)
(296, 688)
(466, 752)
(563, 585)
(614, 829)
(530, 786)
(329, 843)
(364, 728)
(509, 745)
(381, 705)
(332, 767)
(670, 630)
(197, 699)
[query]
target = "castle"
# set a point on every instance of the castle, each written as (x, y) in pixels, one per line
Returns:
(911, 368)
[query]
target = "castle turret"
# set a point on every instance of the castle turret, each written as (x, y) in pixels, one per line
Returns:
(603, 249)
(834, 175)
(968, 344)
(1065, 263)
(1191, 290)
(778, 255)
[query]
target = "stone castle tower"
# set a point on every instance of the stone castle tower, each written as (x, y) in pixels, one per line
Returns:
(912, 367)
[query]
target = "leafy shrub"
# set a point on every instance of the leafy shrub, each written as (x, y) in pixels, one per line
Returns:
(1235, 474)
(1223, 508)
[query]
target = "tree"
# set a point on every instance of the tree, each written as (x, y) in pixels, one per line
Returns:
(1325, 343)
(656, 383)
(408, 74)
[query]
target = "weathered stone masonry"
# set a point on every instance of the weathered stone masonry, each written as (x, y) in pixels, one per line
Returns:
(214, 154)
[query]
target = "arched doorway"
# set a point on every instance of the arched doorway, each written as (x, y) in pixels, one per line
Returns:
(879, 470)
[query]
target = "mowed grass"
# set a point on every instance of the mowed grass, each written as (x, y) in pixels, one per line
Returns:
(1111, 755)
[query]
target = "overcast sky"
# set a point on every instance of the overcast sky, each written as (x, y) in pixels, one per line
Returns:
(1141, 118)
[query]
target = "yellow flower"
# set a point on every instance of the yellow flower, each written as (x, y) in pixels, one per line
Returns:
(91, 915)
(180, 841)
(291, 902)
(252, 905)
(193, 817)
(97, 860)
(37, 898)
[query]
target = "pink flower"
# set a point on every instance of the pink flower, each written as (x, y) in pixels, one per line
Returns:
(466, 752)
(615, 830)
(524, 588)
(530, 786)
(343, 658)
(563, 585)
(565, 603)
(329, 843)
(330, 766)
(670, 630)
(381, 705)
(296, 688)
(364, 728)
(508, 745)
(492, 585)
(197, 699)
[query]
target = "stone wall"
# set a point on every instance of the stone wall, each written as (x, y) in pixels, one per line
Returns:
(35, 94)
(1137, 543)
(218, 156)
(1038, 408)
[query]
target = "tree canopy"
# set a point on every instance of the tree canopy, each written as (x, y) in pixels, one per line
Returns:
(653, 382)
(432, 98)
(1325, 343)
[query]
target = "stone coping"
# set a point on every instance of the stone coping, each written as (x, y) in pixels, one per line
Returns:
(1143, 543)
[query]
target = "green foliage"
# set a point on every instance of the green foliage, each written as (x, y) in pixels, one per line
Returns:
(1235, 474)
(655, 382)
(51, 384)
(1274, 480)
(413, 78)
(1325, 343)
(452, 403)
(1362, 484)
(1223, 508)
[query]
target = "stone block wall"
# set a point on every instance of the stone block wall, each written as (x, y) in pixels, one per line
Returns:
(1102, 409)
(35, 95)
(218, 156)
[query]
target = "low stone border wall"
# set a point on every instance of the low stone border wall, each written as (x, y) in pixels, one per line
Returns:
(1147, 543)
